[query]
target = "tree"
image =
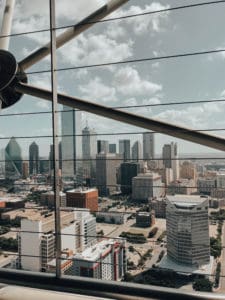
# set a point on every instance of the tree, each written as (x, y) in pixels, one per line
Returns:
(153, 232)
(131, 248)
(203, 285)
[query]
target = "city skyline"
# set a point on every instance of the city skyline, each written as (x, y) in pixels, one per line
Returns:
(131, 84)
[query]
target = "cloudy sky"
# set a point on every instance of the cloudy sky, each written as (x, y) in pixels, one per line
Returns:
(151, 82)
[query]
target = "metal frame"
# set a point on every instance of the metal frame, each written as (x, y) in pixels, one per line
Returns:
(99, 288)
(83, 285)
(55, 138)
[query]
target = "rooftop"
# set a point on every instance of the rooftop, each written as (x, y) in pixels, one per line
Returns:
(93, 253)
(186, 199)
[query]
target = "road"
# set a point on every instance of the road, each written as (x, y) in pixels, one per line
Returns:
(120, 228)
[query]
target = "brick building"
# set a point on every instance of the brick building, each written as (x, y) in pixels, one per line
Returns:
(83, 198)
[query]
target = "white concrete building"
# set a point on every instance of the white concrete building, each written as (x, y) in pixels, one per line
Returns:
(37, 239)
(220, 179)
(112, 217)
(145, 186)
(106, 260)
(87, 227)
(206, 185)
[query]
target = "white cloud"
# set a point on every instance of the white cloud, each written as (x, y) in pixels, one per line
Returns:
(143, 24)
(34, 15)
(64, 9)
(115, 31)
(95, 49)
(194, 116)
(42, 80)
(95, 89)
(129, 82)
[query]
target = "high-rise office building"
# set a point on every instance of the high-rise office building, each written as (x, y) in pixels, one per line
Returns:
(71, 143)
(89, 151)
(188, 170)
(124, 149)
(102, 146)
(170, 158)
(34, 159)
(13, 157)
(25, 170)
(128, 170)
(145, 186)
(107, 165)
(2, 163)
(112, 148)
(136, 151)
(187, 227)
(148, 146)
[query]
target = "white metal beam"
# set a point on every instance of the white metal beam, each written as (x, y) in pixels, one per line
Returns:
(7, 24)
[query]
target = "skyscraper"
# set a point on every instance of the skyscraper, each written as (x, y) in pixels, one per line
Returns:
(148, 146)
(13, 164)
(43, 165)
(128, 170)
(187, 227)
(71, 142)
(170, 158)
(103, 146)
(107, 165)
(136, 151)
(89, 151)
(34, 159)
(124, 149)
(2, 163)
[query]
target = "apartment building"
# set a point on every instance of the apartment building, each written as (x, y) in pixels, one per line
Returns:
(36, 239)
(106, 260)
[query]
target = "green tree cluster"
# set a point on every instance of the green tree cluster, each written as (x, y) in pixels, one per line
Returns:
(161, 237)
(215, 247)
(4, 229)
(9, 244)
(137, 238)
(153, 232)
(217, 277)
(203, 285)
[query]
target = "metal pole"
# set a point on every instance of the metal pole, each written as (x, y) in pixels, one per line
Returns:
(212, 141)
(72, 32)
(7, 24)
(55, 138)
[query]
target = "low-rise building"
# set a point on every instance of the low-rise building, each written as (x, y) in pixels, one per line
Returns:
(145, 219)
(48, 199)
(159, 207)
(182, 186)
(83, 198)
(206, 185)
(112, 217)
(218, 193)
